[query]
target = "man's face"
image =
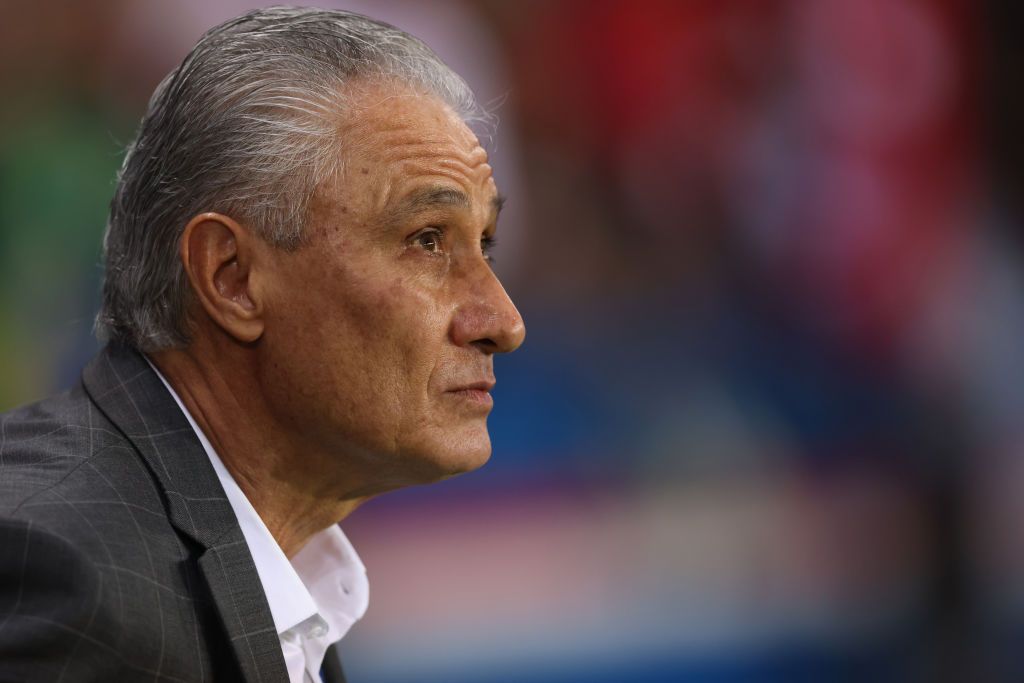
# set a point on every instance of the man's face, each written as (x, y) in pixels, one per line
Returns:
(381, 330)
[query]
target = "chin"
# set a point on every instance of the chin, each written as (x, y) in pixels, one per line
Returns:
(461, 452)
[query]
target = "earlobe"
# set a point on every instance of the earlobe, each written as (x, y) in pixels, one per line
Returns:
(220, 259)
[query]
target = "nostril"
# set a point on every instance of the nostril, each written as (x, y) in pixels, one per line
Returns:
(486, 345)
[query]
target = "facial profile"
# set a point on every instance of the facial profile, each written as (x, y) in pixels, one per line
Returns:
(380, 331)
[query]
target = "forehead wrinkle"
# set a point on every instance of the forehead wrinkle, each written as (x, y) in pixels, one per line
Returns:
(419, 161)
(469, 182)
(444, 151)
(456, 166)
(397, 134)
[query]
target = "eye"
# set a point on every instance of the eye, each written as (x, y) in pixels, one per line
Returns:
(429, 239)
(487, 244)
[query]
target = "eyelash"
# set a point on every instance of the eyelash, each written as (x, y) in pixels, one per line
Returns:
(487, 242)
(487, 245)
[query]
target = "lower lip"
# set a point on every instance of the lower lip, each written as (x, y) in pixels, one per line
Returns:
(474, 396)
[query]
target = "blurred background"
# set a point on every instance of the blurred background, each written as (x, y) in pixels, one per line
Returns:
(768, 424)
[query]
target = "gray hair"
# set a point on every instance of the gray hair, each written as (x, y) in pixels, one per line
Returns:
(245, 126)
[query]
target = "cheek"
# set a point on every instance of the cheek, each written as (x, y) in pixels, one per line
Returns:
(367, 330)
(407, 327)
(354, 351)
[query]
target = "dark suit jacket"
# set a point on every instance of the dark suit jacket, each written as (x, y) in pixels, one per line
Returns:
(120, 557)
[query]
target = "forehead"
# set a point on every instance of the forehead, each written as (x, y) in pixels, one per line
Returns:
(393, 123)
(388, 105)
(397, 142)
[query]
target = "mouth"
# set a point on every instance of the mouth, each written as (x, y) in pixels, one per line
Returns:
(476, 393)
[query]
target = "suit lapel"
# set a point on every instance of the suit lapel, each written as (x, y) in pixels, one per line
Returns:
(243, 607)
(125, 388)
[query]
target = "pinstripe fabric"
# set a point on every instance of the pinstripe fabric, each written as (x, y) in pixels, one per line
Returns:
(120, 557)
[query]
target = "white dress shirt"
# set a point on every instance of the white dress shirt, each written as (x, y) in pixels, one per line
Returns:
(314, 598)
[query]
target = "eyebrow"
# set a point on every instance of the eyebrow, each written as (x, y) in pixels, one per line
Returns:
(497, 203)
(430, 197)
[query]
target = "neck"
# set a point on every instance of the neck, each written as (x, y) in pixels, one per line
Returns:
(283, 478)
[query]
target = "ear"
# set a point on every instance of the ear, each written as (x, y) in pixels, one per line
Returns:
(219, 257)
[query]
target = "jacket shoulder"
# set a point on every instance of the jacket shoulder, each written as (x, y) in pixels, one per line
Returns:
(46, 443)
(66, 469)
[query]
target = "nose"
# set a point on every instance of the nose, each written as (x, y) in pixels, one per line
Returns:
(487, 318)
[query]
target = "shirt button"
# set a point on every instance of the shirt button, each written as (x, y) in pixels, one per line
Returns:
(317, 631)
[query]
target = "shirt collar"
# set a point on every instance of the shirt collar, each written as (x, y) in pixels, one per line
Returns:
(323, 587)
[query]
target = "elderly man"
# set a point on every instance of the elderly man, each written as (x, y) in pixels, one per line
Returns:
(301, 314)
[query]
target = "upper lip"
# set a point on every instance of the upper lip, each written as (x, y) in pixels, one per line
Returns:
(482, 385)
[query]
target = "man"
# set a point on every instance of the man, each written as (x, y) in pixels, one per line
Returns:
(301, 314)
